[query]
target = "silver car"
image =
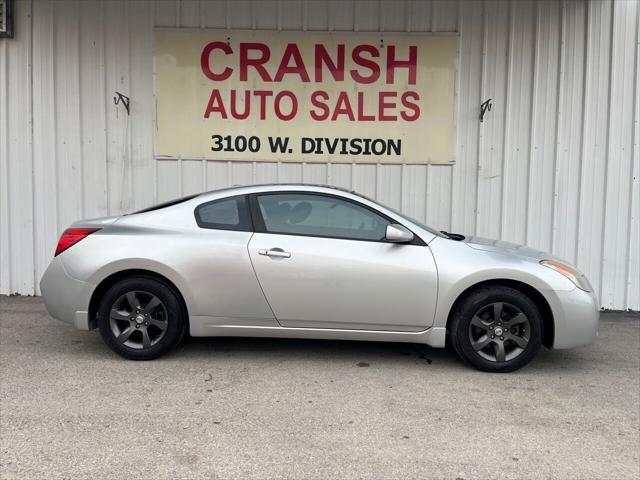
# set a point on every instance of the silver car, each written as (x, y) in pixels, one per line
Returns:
(306, 261)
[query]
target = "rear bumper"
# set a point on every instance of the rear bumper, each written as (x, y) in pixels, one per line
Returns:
(576, 317)
(66, 298)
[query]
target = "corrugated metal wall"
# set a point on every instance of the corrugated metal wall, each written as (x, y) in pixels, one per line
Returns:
(555, 164)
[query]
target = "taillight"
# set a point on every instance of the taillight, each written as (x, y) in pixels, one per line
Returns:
(71, 236)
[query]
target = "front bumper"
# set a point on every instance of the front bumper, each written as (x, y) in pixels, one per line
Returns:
(66, 298)
(576, 316)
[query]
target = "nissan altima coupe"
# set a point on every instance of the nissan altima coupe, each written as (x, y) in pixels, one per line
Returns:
(305, 261)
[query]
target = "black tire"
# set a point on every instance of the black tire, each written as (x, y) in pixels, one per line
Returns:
(165, 328)
(479, 304)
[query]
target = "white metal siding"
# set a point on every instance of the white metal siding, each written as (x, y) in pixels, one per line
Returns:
(555, 165)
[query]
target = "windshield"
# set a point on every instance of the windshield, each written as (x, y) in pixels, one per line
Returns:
(406, 217)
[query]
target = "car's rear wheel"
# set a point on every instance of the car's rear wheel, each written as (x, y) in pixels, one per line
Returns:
(496, 329)
(140, 318)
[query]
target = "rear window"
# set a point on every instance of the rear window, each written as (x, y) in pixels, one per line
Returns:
(229, 213)
(166, 204)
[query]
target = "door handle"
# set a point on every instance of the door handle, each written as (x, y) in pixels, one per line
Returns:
(274, 252)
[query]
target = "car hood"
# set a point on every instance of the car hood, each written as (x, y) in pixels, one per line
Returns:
(508, 248)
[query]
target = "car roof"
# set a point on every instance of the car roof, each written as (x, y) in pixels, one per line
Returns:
(277, 186)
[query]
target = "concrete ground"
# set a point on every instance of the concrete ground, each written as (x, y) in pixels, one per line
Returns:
(251, 408)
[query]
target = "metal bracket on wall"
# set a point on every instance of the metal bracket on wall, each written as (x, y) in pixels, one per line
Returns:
(484, 108)
(122, 98)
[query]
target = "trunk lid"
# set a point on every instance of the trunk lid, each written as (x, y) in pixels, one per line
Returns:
(99, 222)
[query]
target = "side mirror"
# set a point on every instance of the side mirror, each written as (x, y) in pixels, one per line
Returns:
(396, 233)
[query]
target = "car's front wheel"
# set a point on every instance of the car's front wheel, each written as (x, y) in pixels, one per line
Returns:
(140, 318)
(496, 329)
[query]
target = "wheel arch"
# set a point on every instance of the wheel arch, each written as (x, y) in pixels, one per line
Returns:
(112, 279)
(548, 327)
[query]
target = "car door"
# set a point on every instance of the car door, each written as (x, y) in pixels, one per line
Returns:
(322, 262)
(219, 270)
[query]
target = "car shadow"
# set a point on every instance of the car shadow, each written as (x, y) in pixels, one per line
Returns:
(310, 349)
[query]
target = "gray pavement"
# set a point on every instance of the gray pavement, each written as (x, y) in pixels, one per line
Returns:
(254, 408)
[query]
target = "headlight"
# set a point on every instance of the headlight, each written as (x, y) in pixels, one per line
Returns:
(571, 273)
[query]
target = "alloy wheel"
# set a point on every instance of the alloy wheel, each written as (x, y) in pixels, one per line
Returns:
(138, 319)
(499, 332)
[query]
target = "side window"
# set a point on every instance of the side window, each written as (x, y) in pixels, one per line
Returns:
(225, 214)
(320, 216)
